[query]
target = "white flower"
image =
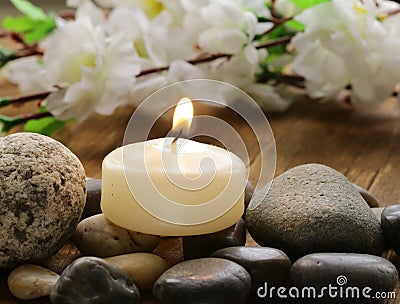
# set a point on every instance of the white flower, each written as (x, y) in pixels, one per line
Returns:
(345, 44)
(230, 28)
(29, 74)
(96, 72)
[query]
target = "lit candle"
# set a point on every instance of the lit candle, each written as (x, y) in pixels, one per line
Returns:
(173, 186)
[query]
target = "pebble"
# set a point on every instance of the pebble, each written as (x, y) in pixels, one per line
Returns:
(206, 280)
(143, 268)
(42, 190)
(346, 270)
(29, 282)
(97, 236)
(390, 220)
(200, 246)
(93, 280)
(93, 198)
(264, 264)
(314, 208)
(371, 200)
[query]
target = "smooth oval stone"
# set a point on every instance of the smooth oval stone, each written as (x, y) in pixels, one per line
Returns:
(143, 268)
(29, 282)
(314, 208)
(264, 264)
(345, 270)
(97, 236)
(207, 280)
(371, 200)
(201, 246)
(93, 198)
(93, 280)
(42, 190)
(390, 220)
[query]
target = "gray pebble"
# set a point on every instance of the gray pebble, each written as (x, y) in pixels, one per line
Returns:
(90, 280)
(42, 191)
(201, 246)
(207, 280)
(313, 208)
(264, 264)
(344, 270)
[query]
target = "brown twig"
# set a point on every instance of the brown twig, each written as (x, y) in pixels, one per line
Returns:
(277, 24)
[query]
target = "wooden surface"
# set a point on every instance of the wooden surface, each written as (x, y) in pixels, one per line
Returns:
(363, 146)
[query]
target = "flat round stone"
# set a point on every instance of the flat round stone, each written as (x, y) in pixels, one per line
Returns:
(42, 195)
(206, 280)
(346, 270)
(93, 280)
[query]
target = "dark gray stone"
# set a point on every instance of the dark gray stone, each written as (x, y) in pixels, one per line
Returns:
(207, 280)
(93, 198)
(344, 270)
(91, 280)
(390, 220)
(371, 200)
(313, 208)
(264, 264)
(201, 246)
(42, 195)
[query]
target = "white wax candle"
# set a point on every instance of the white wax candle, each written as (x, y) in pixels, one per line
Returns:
(151, 187)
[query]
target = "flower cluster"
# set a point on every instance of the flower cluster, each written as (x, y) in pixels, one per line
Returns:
(118, 52)
(350, 43)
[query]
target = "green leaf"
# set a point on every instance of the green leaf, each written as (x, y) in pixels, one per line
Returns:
(296, 25)
(6, 56)
(19, 24)
(304, 4)
(45, 126)
(29, 9)
(33, 30)
(40, 31)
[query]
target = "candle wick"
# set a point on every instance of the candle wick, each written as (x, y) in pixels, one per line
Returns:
(177, 136)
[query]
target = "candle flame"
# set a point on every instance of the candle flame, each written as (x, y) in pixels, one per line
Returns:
(183, 115)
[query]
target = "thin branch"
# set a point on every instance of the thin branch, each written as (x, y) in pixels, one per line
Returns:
(193, 61)
(23, 99)
(279, 41)
(277, 24)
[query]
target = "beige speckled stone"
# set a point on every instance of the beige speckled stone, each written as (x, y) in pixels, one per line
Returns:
(29, 282)
(97, 236)
(42, 195)
(143, 268)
